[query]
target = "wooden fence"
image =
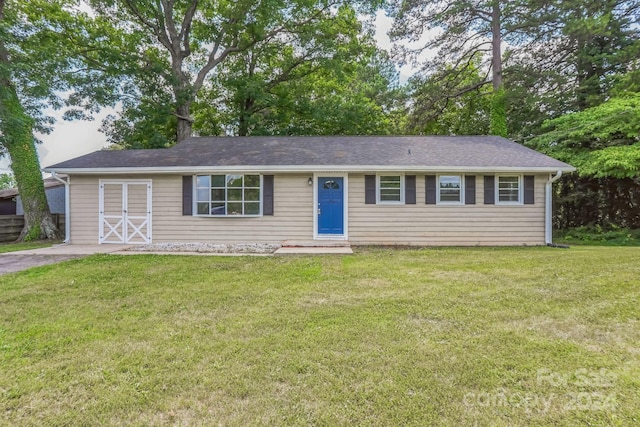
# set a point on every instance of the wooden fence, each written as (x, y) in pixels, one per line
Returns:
(11, 226)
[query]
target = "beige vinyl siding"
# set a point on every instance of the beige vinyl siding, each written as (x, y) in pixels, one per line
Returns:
(433, 225)
(419, 224)
(83, 205)
(292, 219)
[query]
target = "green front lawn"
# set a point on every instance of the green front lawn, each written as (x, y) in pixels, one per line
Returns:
(499, 337)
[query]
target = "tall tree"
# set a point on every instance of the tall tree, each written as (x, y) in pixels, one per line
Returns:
(188, 39)
(460, 36)
(345, 85)
(50, 58)
(570, 61)
(603, 142)
(16, 125)
(439, 109)
(583, 76)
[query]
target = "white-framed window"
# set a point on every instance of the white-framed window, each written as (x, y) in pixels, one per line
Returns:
(450, 189)
(390, 189)
(509, 189)
(228, 195)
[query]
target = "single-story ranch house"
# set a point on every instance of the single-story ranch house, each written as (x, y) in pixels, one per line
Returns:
(400, 190)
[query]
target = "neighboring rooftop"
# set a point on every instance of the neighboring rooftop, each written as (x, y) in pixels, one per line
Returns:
(48, 183)
(308, 153)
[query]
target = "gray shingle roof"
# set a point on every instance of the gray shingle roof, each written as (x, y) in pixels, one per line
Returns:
(322, 152)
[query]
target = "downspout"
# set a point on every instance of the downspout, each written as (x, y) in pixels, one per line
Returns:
(67, 208)
(548, 211)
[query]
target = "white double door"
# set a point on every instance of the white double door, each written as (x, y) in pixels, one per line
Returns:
(125, 212)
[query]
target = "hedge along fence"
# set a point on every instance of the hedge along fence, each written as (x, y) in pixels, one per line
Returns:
(11, 226)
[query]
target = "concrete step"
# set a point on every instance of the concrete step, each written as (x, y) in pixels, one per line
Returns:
(316, 244)
(313, 250)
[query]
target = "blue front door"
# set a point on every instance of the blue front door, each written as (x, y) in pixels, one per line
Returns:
(330, 205)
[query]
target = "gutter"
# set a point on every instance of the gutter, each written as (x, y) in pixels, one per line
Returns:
(548, 211)
(67, 207)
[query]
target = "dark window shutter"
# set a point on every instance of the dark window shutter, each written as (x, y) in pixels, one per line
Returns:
(489, 190)
(470, 190)
(187, 195)
(267, 195)
(430, 189)
(410, 189)
(370, 189)
(529, 189)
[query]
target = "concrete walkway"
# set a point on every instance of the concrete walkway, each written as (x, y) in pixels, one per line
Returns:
(74, 250)
(15, 261)
(11, 262)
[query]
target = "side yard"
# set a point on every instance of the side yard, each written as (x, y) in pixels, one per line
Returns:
(476, 336)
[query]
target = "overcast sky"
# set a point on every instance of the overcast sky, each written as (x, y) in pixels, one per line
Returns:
(73, 139)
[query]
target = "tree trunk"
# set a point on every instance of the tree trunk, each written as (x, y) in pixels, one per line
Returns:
(246, 111)
(498, 124)
(496, 48)
(20, 144)
(185, 122)
(184, 95)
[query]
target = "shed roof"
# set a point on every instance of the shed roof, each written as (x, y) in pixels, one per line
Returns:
(318, 153)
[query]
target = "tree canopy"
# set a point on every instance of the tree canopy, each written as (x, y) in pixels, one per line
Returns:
(560, 76)
(187, 42)
(601, 141)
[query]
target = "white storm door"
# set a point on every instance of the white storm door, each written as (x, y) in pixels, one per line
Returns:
(125, 212)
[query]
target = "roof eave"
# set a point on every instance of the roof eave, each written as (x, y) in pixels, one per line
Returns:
(305, 169)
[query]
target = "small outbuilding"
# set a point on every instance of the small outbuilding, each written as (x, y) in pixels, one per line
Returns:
(11, 203)
(390, 190)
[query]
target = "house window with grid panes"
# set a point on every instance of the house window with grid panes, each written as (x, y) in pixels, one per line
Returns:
(390, 189)
(450, 189)
(509, 189)
(228, 195)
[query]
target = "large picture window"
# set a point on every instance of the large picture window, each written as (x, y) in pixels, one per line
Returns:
(508, 188)
(390, 189)
(228, 195)
(450, 189)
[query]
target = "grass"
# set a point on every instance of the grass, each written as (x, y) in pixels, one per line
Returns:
(13, 247)
(500, 337)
